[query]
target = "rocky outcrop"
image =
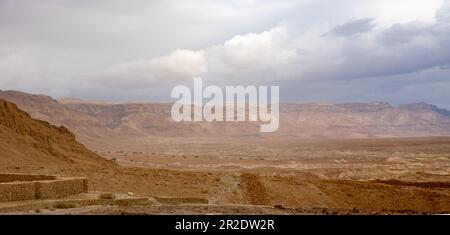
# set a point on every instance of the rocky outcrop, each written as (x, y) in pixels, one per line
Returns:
(29, 143)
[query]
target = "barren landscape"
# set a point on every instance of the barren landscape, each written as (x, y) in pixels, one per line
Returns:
(370, 169)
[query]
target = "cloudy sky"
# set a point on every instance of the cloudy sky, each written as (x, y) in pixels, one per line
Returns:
(315, 50)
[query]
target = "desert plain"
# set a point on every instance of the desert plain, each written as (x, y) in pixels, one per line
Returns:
(233, 173)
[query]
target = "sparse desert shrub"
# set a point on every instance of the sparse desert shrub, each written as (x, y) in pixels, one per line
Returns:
(108, 196)
(64, 205)
(124, 202)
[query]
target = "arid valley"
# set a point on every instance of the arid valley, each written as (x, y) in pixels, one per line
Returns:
(211, 116)
(364, 158)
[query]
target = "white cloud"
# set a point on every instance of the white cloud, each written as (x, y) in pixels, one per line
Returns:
(179, 66)
(115, 48)
(356, 49)
(252, 53)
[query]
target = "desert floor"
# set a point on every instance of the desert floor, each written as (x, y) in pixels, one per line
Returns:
(274, 176)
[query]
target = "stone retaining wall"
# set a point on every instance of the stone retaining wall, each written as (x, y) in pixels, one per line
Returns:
(38, 187)
(60, 188)
(24, 177)
(181, 200)
(17, 191)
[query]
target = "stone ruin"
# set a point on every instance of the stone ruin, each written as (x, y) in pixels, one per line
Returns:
(21, 187)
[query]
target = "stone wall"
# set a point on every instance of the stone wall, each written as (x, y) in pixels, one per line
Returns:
(24, 177)
(182, 200)
(60, 188)
(39, 187)
(17, 191)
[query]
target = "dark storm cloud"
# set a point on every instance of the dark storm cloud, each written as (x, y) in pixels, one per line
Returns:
(353, 27)
(127, 50)
(402, 48)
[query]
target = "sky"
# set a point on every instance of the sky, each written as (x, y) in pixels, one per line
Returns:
(330, 51)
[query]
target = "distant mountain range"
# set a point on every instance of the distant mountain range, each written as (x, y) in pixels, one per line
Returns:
(98, 123)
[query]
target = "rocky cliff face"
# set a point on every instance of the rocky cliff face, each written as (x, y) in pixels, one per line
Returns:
(101, 123)
(27, 143)
(376, 119)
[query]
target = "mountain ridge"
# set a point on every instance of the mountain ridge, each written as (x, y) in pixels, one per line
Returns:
(27, 143)
(103, 123)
